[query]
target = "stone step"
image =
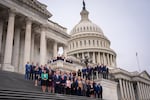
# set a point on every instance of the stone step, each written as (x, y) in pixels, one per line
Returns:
(14, 86)
(38, 95)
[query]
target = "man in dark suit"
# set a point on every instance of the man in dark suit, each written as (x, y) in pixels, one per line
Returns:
(27, 71)
(31, 70)
(57, 80)
(99, 90)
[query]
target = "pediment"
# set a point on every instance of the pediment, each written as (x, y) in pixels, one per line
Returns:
(144, 74)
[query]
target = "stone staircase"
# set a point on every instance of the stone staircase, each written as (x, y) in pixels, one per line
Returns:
(14, 87)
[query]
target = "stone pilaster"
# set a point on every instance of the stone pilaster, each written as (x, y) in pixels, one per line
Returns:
(27, 47)
(15, 60)
(9, 43)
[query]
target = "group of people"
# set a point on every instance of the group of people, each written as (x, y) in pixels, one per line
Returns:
(62, 58)
(56, 81)
(100, 70)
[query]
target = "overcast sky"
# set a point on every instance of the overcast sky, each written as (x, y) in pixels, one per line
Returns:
(126, 23)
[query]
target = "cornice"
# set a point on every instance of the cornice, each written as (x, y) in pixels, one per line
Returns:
(94, 49)
(36, 5)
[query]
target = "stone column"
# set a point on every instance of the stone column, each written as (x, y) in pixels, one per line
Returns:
(104, 58)
(139, 90)
(1, 34)
(144, 88)
(149, 90)
(43, 46)
(9, 43)
(121, 89)
(55, 49)
(127, 89)
(15, 60)
(133, 93)
(32, 46)
(98, 58)
(94, 57)
(27, 47)
(108, 62)
(124, 88)
(21, 56)
(130, 91)
(142, 91)
(111, 62)
(146, 92)
(78, 55)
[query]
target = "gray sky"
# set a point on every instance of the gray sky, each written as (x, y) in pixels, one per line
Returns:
(126, 23)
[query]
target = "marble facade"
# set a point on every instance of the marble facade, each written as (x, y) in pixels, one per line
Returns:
(27, 34)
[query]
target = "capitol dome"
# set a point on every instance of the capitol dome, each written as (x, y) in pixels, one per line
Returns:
(85, 25)
(88, 39)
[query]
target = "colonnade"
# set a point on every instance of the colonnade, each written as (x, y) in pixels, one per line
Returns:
(14, 44)
(126, 90)
(143, 91)
(138, 92)
(99, 57)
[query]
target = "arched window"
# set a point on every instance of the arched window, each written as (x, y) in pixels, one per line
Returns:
(84, 28)
(97, 43)
(89, 42)
(85, 42)
(80, 43)
(93, 42)
(87, 28)
(73, 44)
(76, 44)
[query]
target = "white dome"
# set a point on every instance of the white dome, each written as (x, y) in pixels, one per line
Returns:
(85, 25)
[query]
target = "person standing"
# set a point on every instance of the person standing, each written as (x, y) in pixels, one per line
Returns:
(107, 72)
(99, 91)
(36, 74)
(31, 70)
(27, 71)
(44, 78)
(68, 86)
(50, 82)
(57, 80)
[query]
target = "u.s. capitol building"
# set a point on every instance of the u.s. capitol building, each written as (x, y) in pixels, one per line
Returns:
(28, 34)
